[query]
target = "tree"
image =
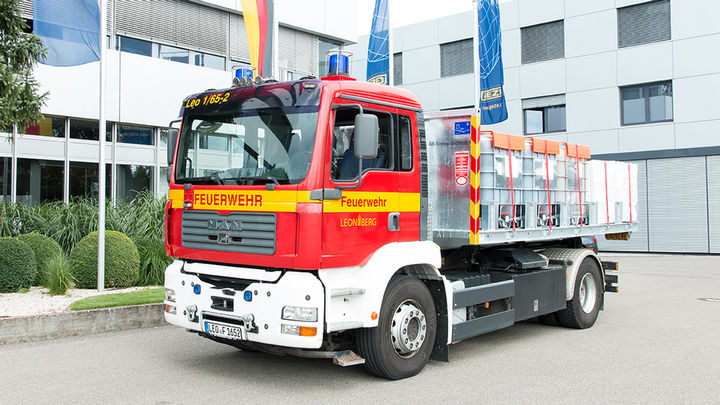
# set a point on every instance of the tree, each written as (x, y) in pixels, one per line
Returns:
(20, 98)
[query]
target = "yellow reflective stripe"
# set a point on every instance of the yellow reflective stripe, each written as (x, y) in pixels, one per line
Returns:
(363, 201)
(176, 196)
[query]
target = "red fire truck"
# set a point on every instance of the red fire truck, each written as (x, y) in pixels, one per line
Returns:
(334, 218)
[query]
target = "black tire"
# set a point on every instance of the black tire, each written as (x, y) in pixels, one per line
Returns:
(574, 315)
(376, 345)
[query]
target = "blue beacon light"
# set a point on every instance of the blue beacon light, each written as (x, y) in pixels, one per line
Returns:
(248, 295)
(244, 72)
(338, 63)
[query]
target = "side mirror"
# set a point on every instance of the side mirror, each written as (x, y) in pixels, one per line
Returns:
(366, 136)
(172, 140)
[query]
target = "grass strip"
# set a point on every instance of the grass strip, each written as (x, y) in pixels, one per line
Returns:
(140, 297)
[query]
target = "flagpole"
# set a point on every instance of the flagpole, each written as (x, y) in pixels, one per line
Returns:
(101, 153)
(476, 59)
(391, 57)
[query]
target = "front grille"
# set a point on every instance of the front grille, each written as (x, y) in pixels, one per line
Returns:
(247, 232)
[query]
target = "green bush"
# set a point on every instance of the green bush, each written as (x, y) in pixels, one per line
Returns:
(153, 261)
(122, 262)
(58, 277)
(45, 248)
(17, 265)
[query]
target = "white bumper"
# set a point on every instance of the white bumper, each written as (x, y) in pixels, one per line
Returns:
(271, 291)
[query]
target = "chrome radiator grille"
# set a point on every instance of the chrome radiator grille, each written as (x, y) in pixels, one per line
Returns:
(246, 232)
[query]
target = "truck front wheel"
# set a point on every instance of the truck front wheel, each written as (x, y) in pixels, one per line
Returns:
(582, 310)
(401, 344)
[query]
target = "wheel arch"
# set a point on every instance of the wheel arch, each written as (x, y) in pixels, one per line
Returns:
(573, 258)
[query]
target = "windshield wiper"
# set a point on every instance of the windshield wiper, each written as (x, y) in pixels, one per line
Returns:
(212, 179)
(257, 179)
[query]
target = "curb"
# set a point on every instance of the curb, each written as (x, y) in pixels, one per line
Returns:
(79, 323)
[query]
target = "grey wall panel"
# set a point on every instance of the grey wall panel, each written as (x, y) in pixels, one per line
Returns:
(677, 205)
(713, 180)
(176, 22)
(639, 239)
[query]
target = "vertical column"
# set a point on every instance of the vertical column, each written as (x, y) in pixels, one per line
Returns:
(66, 162)
(13, 166)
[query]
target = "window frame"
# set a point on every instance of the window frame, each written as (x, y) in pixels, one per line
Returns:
(646, 99)
(544, 110)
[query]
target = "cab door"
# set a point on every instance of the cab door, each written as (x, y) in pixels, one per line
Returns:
(361, 202)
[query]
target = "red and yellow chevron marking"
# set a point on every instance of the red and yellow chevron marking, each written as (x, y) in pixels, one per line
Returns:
(474, 179)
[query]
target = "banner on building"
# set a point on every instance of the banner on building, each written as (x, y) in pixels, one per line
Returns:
(258, 16)
(378, 60)
(492, 96)
(70, 29)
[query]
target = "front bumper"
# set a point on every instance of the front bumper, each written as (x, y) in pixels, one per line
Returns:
(217, 294)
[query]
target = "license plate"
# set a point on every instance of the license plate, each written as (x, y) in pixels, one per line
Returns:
(224, 331)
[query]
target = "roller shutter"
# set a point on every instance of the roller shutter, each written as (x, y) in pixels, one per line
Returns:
(456, 58)
(186, 24)
(543, 42)
(239, 49)
(643, 23)
(298, 51)
(677, 205)
(713, 177)
(639, 239)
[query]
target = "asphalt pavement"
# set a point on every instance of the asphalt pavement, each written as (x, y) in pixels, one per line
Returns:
(657, 341)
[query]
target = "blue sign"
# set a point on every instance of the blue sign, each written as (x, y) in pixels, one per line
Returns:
(492, 98)
(378, 60)
(462, 128)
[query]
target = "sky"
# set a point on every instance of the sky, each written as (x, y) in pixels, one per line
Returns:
(406, 12)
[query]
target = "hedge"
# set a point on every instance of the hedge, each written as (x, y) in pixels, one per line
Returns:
(45, 248)
(122, 261)
(17, 265)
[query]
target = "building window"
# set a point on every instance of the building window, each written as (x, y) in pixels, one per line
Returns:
(643, 23)
(323, 48)
(456, 58)
(135, 134)
(84, 129)
(48, 126)
(543, 42)
(174, 54)
(84, 180)
(647, 103)
(163, 182)
(132, 180)
(136, 46)
(544, 115)
(39, 180)
(397, 68)
(5, 178)
(210, 61)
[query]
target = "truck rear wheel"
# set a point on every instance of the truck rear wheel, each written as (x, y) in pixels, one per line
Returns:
(582, 310)
(401, 344)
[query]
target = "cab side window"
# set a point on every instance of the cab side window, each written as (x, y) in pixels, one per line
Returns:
(405, 143)
(344, 163)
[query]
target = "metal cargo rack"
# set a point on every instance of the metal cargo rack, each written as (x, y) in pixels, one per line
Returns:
(530, 189)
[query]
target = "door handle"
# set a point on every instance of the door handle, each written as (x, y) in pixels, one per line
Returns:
(394, 221)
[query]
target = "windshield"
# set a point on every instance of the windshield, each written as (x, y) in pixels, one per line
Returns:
(245, 136)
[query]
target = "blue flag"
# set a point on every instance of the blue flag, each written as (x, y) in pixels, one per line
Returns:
(378, 60)
(492, 97)
(70, 29)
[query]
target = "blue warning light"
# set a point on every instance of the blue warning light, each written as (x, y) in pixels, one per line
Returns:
(338, 65)
(196, 288)
(248, 295)
(244, 72)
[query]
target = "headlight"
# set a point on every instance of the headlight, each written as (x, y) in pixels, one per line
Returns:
(307, 314)
(169, 295)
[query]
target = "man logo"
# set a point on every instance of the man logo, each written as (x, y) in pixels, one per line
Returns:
(491, 94)
(223, 225)
(379, 79)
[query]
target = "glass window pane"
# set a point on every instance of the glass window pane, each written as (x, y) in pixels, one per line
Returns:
(406, 158)
(214, 142)
(174, 54)
(84, 129)
(211, 61)
(660, 102)
(133, 179)
(84, 180)
(5, 178)
(39, 180)
(48, 126)
(555, 118)
(135, 46)
(164, 185)
(633, 105)
(163, 137)
(534, 121)
(135, 134)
